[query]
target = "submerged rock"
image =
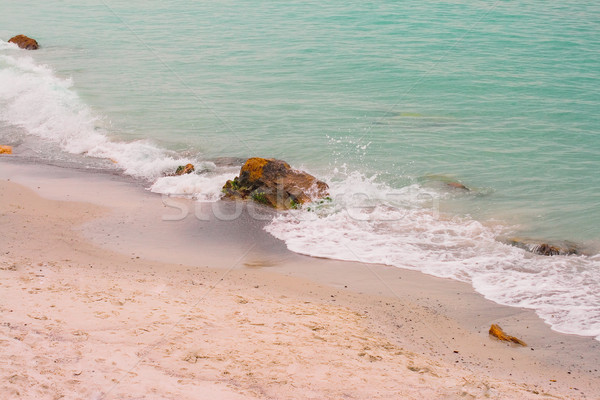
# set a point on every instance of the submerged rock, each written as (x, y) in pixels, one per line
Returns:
(274, 183)
(499, 334)
(5, 150)
(447, 181)
(545, 249)
(458, 185)
(24, 42)
(185, 169)
(565, 248)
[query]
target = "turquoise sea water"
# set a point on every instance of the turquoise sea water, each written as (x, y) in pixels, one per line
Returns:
(380, 98)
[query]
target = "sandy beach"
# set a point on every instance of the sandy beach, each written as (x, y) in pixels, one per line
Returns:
(106, 297)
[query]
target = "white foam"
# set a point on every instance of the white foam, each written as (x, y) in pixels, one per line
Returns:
(6, 45)
(205, 187)
(45, 105)
(369, 222)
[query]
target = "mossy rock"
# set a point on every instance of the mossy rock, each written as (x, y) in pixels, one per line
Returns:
(185, 169)
(564, 248)
(274, 183)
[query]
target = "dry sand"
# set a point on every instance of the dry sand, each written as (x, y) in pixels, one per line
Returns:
(81, 321)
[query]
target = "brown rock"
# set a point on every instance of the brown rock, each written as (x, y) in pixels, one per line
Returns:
(498, 333)
(458, 185)
(545, 249)
(24, 42)
(185, 169)
(448, 181)
(274, 183)
(564, 248)
(5, 150)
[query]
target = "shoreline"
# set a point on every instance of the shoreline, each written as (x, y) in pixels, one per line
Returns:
(439, 322)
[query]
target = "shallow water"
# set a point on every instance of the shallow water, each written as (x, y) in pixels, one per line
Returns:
(385, 101)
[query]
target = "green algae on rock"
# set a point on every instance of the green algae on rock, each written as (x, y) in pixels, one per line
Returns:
(274, 183)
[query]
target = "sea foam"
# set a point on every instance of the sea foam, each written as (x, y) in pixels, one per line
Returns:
(370, 222)
(34, 98)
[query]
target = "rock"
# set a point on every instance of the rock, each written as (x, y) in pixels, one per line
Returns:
(24, 42)
(5, 150)
(445, 180)
(274, 183)
(545, 249)
(458, 185)
(498, 333)
(564, 248)
(185, 169)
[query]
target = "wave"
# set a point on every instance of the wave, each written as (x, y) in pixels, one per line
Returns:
(46, 106)
(370, 222)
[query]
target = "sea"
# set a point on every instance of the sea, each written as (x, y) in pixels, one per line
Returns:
(394, 104)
